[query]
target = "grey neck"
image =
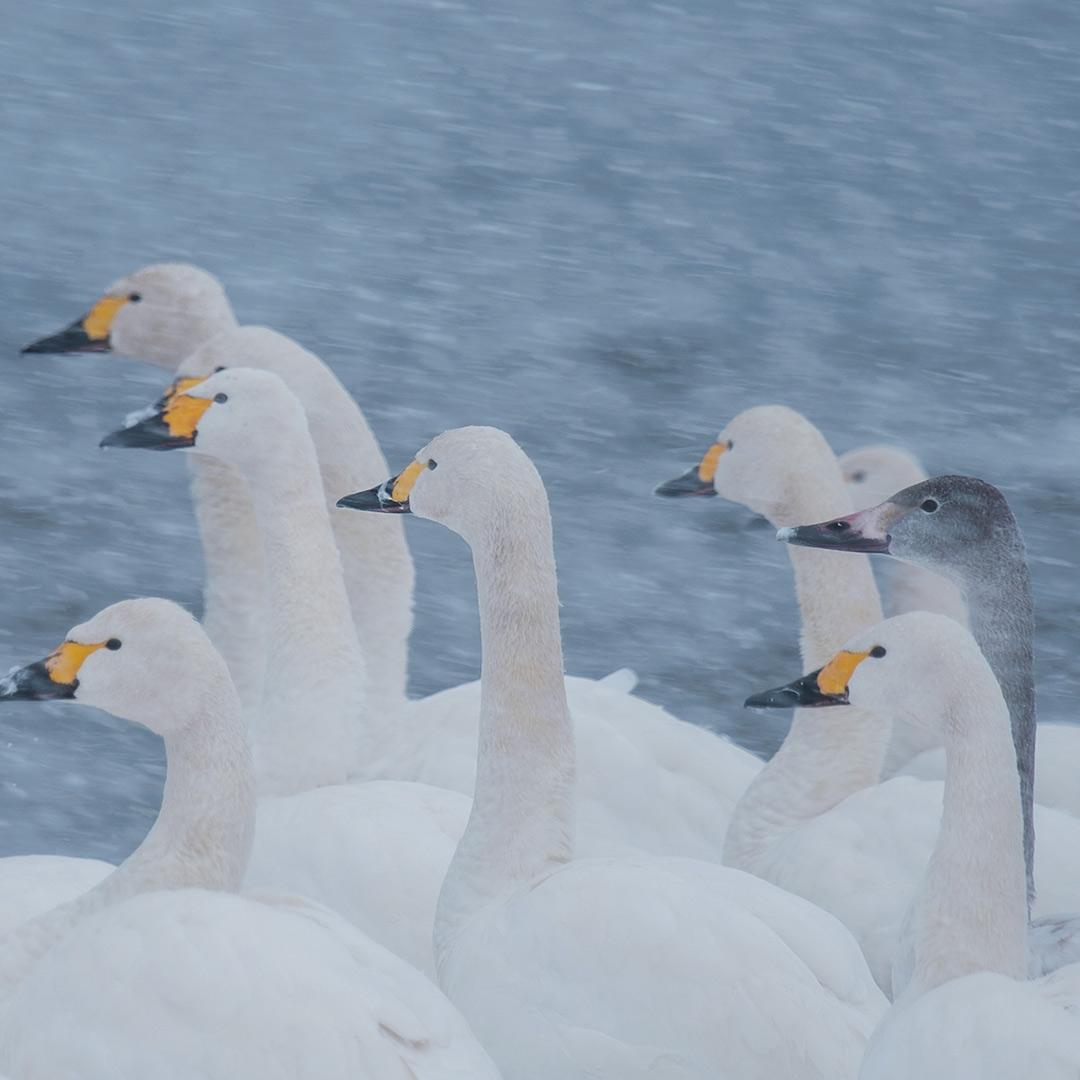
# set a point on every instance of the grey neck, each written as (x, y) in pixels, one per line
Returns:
(1002, 620)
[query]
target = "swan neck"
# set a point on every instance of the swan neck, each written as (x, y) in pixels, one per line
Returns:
(971, 914)
(308, 728)
(1002, 617)
(521, 820)
(838, 599)
(203, 833)
(234, 593)
(828, 755)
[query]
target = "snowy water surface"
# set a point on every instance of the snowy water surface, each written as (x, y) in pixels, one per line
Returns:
(604, 227)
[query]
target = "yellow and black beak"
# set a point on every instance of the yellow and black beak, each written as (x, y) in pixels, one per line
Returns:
(391, 496)
(699, 480)
(826, 686)
(171, 424)
(88, 334)
(54, 678)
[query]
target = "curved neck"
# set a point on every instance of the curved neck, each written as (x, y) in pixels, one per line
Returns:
(201, 839)
(971, 909)
(828, 753)
(521, 820)
(309, 725)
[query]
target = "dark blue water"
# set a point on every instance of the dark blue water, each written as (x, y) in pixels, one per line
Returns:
(606, 228)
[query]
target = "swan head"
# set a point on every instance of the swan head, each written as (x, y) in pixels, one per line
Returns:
(143, 660)
(466, 479)
(157, 314)
(762, 460)
(948, 524)
(919, 666)
(873, 473)
(232, 414)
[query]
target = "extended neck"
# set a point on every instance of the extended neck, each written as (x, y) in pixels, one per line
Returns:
(828, 753)
(309, 725)
(971, 910)
(234, 595)
(1002, 620)
(521, 821)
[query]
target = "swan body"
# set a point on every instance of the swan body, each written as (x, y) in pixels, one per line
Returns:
(599, 968)
(170, 985)
(129, 981)
(32, 884)
(374, 852)
(966, 1011)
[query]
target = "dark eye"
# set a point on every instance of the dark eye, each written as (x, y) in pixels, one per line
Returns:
(113, 643)
(135, 297)
(221, 398)
(731, 444)
(928, 505)
(858, 476)
(432, 463)
(838, 526)
(877, 652)
(220, 367)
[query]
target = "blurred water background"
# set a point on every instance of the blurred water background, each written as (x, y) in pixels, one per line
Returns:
(605, 227)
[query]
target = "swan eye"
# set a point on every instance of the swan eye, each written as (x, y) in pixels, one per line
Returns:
(928, 506)
(135, 297)
(858, 476)
(220, 367)
(731, 444)
(432, 464)
(113, 644)
(877, 652)
(838, 526)
(221, 398)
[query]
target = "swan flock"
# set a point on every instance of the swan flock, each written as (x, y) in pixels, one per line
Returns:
(539, 876)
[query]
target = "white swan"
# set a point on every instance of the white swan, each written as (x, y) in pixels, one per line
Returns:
(600, 968)
(967, 1011)
(129, 982)
(815, 820)
(374, 852)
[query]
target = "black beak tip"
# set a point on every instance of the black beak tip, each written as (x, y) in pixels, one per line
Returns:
(683, 487)
(374, 499)
(783, 697)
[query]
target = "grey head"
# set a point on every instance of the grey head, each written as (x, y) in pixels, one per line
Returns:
(954, 525)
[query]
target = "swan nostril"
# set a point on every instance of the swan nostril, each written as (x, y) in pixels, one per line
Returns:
(838, 526)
